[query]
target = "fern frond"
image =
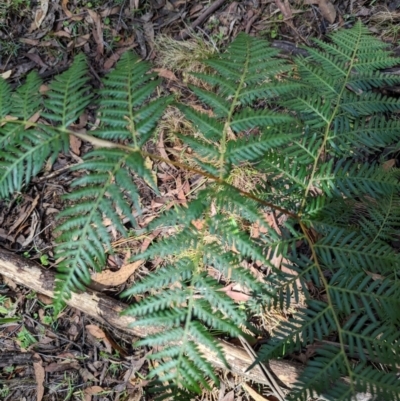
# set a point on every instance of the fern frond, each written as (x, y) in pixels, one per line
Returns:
(363, 135)
(253, 148)
(341, 248)
(68, 94)
(308, 324)
(185, 364)
(5, 93)
(323, 374)
(381, 220)
(109, 190)
(25, 148)
(24, 153)
(126, 89)
(27, 99)
(210, 127)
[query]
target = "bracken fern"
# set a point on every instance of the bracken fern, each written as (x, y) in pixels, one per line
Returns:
(311, 129)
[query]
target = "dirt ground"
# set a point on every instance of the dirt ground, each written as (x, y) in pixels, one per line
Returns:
(76, 357)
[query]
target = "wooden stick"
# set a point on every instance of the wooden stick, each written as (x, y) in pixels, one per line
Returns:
(184, 34)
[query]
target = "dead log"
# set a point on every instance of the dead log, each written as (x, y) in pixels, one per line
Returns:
(108, 311)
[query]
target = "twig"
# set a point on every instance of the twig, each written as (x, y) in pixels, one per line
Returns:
(53, 174)
(185, 33)
(274, 386)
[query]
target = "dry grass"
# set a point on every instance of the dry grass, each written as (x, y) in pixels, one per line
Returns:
(183, 57)
(386, 23)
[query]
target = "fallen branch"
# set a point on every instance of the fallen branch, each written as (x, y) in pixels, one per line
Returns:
(108, 311)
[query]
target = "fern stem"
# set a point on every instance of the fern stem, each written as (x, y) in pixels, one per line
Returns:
(102, 143)
(385, 219)
(330, 303)
(227, 125)
(130, 119)
(329, 123)
(186, 330)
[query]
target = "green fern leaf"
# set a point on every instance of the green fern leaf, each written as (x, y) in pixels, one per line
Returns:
(5, 93)
(68, 94)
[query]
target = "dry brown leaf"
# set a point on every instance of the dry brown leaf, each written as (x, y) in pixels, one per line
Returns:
(93, 390)
(235, 295)
(195, 10)
(21, 219)
(148, 29)
(75, 144)
(62, 34)
(119, 277)
(8, 118)
(83, 119)
(9, 283)
(99, 334)
(39, 376)
(115, 57)
(36, 59)
(44, 299)
(180, 189)
(229, 397)
(43, 89)
(149, 164)
(95, 331)
(41, 12)
(6, 74)
(327, 9)
(68, 13)
(284, 8)
(133, 5)
(164, 73)
(30, 42)
(87, 376)
(253, 393)
(44, 339)
(79, 42)
(135, 366)
(201, 109)
(375, 276)
(161, 148)
(199, 224)
(61, 366)
(97, 32)
(389, 164)
(229, 132)
(110, 11)
(33, 119)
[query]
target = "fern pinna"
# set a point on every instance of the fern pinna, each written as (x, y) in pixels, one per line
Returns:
(312, 130)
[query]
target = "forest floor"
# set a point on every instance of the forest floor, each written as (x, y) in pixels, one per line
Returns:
(75, 357)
